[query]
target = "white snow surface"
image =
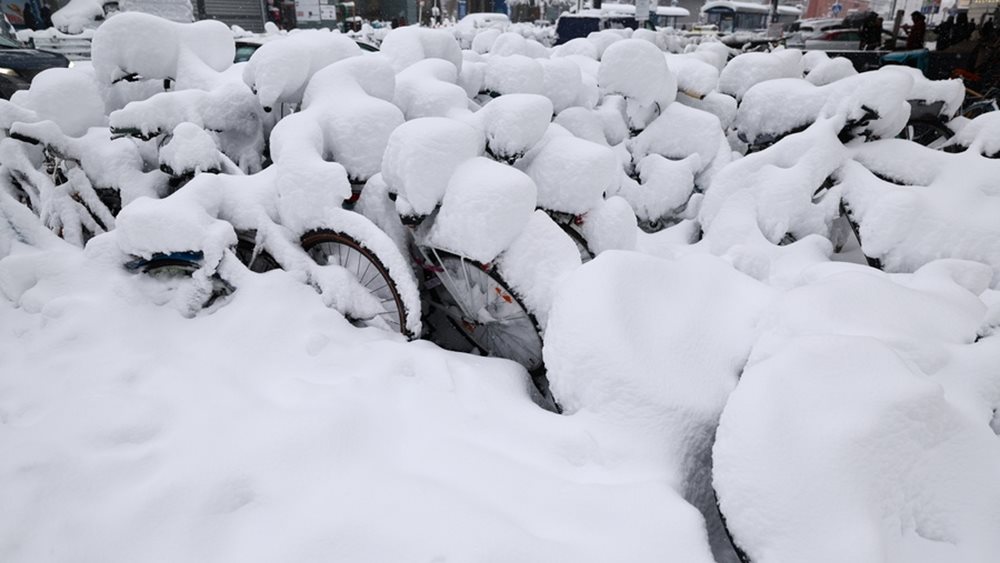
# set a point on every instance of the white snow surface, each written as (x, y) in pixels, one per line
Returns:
(422, 155)
(155, 48)
(867, 374)
(485, 206)
(78, 15)
(841, 413)
(572, 174)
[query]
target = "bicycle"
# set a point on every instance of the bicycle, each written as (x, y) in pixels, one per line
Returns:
(370, 282)
(44, 170)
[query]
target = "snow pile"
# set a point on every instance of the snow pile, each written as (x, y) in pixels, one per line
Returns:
(572, 174)
(872, 104)
(749, 69)
(638, 71)
(860, 437)
(429, 88)
(153, 48)
(944, 205)
(485, 205)
(514, 74)
(278, 71)
(537, 261)
(351, 102)
(695, 77)
(777, 187)
(230, 112)
(620, 349)
(303, 418)
(421, 156)
(514, 123)
(950, 92)
(69, 97)
(981, 135)
(78, 15)
(407, 45)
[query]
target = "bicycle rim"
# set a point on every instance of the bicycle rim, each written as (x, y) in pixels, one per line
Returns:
(331, 248)
(487, 313)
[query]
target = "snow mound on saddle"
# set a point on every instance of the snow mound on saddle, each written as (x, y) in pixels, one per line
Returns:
(514, 123)
(421, 156)
(638, 70)
(279, 70)
(514, 74)
(407, 45)
(572, 174)
(69, 97)
(749, 69)
(485, 206)
(153, 47)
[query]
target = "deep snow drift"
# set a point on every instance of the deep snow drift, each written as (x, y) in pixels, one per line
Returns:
(697, 235)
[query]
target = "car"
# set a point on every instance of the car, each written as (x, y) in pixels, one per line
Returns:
(583, 23)
(844, 39)
(247, 46)
(20, 63)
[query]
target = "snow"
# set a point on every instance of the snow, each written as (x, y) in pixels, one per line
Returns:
(637, 70)
(68, 97)
(407, 45)
(749, 69)
(906, 472)
(943, 211)
(572, 174)
(422, 155)
(514, 123)
(514, 74)
(728, 341)
(78, 15)
(154, 48)
(278, 71)
(485, 206)
(621, 350)
(351, 434)
(981, 135)
(537, 261)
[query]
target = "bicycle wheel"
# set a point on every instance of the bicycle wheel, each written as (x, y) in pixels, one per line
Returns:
(260, 262)
(931, 134)
(170, 270)
(480, 305)
(327, 247)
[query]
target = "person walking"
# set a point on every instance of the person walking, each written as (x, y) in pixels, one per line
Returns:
(916, 32)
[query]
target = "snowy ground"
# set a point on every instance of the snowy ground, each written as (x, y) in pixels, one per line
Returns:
(742, 356)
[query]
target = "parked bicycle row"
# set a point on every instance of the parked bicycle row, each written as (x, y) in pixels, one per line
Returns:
(433, 191)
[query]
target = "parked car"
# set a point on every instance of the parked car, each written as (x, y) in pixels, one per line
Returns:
(582, 24)
(19, 64)
(834, 40)
(246, 46)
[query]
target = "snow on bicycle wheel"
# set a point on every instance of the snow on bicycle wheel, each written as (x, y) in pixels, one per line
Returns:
(387, 310)
(484, 309)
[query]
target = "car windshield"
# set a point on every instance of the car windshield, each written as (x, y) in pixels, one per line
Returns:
(7, 43)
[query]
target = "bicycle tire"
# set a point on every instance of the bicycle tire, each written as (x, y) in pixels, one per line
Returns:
(173, 268)
(259, 263)
(929, 133)
(503, 327)
(326, 246)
